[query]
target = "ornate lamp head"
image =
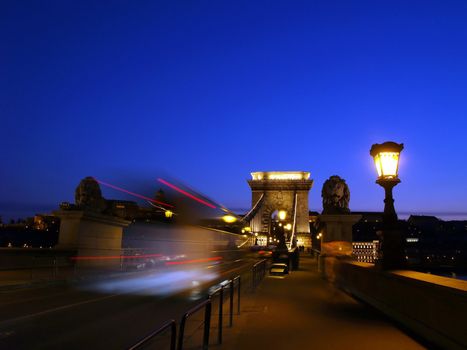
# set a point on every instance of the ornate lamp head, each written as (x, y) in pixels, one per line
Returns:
(386, 157)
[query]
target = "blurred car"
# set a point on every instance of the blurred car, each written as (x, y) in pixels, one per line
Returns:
(279, 269)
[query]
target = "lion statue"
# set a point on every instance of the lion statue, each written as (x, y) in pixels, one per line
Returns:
(336, 196)
(88, 196)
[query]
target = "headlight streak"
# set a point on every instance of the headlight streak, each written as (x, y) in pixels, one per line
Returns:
(158, 284)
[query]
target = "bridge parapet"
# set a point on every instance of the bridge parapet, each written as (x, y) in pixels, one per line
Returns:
(434, 307)
(91, 234)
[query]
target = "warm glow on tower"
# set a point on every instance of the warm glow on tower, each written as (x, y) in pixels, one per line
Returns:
(280, 175)
(282, 215)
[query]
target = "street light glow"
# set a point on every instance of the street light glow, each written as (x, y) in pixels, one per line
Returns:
(229, 219)
(282, 214)
(387, 164)
(386, 157)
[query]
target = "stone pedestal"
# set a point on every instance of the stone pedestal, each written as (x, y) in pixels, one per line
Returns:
(392, 252)
(96, 237)
(337, 234)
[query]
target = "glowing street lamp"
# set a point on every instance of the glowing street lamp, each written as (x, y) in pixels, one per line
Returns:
(386, 157)
(168, 214)
(282, 215)
(229, 219)
(280, 230)
(391, 252)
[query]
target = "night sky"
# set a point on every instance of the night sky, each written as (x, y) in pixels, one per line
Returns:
(208, 91)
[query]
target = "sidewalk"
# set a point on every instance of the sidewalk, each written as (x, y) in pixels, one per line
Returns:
(302, 311)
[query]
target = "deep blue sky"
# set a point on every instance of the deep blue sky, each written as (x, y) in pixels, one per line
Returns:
(208, 91)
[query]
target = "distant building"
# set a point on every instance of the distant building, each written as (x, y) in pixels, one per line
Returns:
(436, 244)
(366, 229)
(43, 222)
(365, 251)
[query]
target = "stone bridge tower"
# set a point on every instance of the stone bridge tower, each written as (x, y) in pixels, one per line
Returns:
(280, 190)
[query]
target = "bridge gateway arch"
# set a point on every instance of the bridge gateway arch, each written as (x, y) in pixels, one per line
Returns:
(280, 191)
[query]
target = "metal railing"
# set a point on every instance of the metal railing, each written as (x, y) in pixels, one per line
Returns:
(207, 323)
(219, 291)
(239, 286)
(258, 273)
(173, 336)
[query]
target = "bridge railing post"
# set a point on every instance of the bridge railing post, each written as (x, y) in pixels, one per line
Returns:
(258, 272)
(231, 283)
(173, 336)
(55, 268)
(255, 276)
(239, 279)
(221, 310)
(207, 323)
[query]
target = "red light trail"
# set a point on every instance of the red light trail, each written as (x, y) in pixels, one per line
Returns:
(132, 193)
(186, 193)
(194, 261)
(109, 257)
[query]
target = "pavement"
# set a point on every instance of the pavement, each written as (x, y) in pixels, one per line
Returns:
(303, 311)
(17, 279)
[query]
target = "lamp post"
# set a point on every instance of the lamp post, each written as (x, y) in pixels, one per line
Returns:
(386, 157)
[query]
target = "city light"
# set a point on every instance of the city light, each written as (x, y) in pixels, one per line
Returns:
(229, 219)
(282, 214)
(193, 261)
(365, 251)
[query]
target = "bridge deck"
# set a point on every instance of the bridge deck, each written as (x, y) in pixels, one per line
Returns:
(304, 311)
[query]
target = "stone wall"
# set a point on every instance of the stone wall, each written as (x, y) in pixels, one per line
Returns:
(280, 195)
(91, 234)
(432, 306)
